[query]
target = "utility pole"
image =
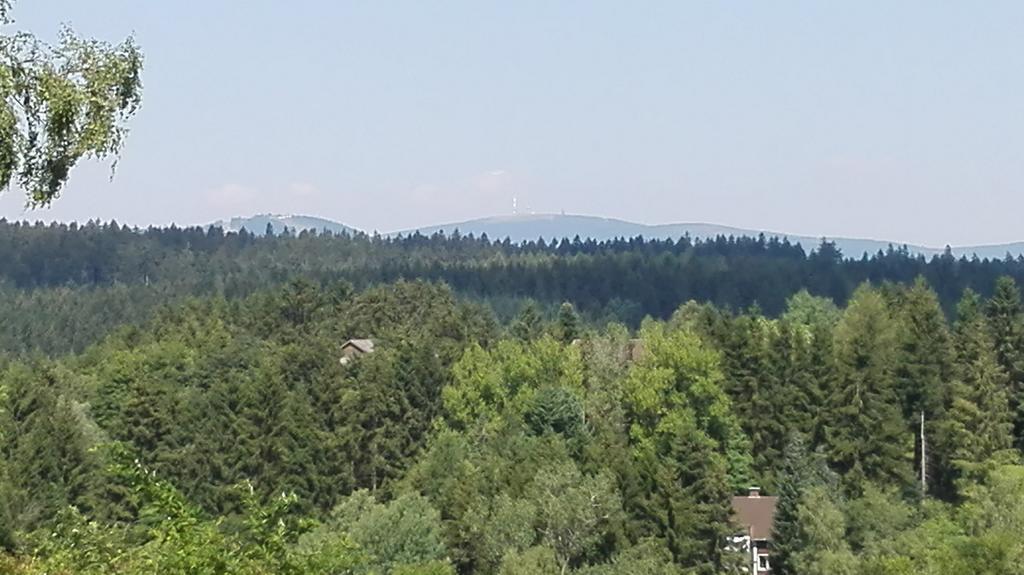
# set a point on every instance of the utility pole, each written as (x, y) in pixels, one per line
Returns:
(924, 460)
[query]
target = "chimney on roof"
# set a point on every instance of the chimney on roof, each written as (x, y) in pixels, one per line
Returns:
(754, 492)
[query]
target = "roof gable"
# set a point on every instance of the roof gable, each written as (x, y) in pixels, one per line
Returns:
(363, 345)
(756, 514)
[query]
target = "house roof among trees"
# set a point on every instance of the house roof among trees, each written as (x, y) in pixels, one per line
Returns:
(755, 513)
(363, 345)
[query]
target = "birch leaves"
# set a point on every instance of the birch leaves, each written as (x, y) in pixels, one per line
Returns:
(61, 103)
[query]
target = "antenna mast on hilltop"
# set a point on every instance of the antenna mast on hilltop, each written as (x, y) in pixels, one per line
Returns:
(515, 205)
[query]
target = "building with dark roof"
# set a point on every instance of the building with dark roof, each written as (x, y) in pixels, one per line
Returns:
(354, 348)
(755, 515)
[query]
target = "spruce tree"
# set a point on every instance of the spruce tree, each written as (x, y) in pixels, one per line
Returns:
(801, 470)
(821, 380)
(567, 328)
(47, 449)
(746, 362)
(924, 362)
(686, 493)
(137, 400)
(529, 325)
(978, 431)
(275, 433)
(389, 402)
(7, 518)
(865, 432)
(787, 397)
(7, 535)
(1006, 321)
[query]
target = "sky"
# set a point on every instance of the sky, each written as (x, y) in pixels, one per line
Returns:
(898, 120)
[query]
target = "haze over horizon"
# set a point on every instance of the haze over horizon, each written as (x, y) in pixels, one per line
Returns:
(801, 118)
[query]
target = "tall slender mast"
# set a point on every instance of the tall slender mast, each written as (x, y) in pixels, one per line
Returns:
(924, 461)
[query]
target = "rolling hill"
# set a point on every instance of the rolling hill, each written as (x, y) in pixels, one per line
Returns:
(552, 226)
(258, 224)
(557, 226)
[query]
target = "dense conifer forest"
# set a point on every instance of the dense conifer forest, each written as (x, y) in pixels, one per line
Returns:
(65, 286)
(174, 401)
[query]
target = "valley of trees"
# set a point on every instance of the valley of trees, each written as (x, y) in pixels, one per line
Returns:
(173, 402)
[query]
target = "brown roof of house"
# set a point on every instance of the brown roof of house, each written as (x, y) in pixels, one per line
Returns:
(363, 345)
(755, 514)
(635, 349)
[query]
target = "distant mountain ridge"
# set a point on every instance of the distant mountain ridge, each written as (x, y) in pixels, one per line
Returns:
(556, 226)
(526, 227)
(258, 224)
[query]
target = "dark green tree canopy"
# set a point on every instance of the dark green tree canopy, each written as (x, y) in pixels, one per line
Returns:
(61, 103)
(223, 435)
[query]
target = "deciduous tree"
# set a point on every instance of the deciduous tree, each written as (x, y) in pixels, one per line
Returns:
(59, 104)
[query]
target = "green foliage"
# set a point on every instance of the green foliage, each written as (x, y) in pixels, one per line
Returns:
(61, 103)
(402, 536)
(571, 510)
(774, 378)
(867, 437)
(534, 561)
(449, 449)
(499, 527)
(77, 545)
(567, 326)
(933, 546)
(679, 378)
(685, 499)
(645, 558)
(876, 518)
(490, 386)
(996, 505)
(1005, 314)
(805, 309)
(556, 410)
(530, 323)
(46, 455)
(176, 539)
(924, 363)
(978, 431)
(389, 400)
(801, 471)
(66, 286)
(823, 549)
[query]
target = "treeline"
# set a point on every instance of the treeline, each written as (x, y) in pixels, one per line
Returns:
(50, 272)
(224, 436)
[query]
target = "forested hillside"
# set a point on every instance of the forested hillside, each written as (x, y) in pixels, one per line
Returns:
(304, 398)
(64, 287)
(223, 434)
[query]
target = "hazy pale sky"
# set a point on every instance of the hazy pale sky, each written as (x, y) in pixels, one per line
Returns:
(888, 119)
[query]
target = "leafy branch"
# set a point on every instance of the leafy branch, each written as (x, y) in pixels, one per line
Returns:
(59, 104)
